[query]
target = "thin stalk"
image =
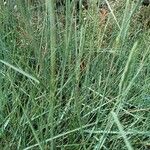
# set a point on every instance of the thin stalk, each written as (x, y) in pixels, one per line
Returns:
(50, 5)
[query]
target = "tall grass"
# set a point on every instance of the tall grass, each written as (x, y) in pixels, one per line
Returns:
(71, 79)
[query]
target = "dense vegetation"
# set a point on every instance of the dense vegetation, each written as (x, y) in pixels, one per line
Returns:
(74, 78)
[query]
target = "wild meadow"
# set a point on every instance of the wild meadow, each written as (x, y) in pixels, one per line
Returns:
(74, 77)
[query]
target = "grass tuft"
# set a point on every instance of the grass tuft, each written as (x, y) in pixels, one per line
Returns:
(74, 76)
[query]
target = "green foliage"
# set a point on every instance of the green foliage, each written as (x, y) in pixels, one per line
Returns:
(74, 79)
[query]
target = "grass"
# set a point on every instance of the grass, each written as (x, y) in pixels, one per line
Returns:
(74, 80)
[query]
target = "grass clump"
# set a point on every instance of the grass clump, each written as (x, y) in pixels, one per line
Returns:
(74, 77)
